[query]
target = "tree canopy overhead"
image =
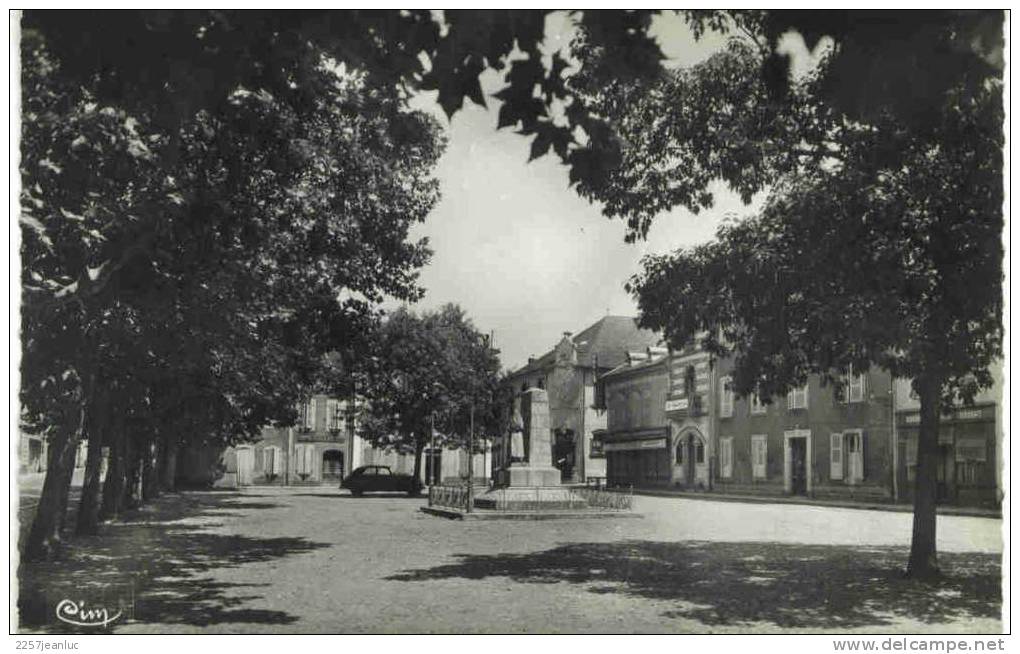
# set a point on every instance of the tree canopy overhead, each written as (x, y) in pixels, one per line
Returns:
(880, 240)
(206, 286)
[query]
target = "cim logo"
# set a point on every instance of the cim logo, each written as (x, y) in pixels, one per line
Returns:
(76, 613)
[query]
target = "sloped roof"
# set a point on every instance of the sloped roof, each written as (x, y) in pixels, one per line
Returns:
(626, 367)
(609, 339)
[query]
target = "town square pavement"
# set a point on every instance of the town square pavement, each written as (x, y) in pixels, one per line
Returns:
(316, 560)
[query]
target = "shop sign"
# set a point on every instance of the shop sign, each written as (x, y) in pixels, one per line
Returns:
(679, 404)
(971, 449)
(648, 444)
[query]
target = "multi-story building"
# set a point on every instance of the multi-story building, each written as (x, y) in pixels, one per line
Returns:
(637, 440)
(324, 447)
(568, 373)
(819, 440)
(674, 420)
(969, 469)
(33, 453)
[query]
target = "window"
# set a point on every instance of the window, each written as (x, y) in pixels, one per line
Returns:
(726, 457)
(854, 456)
(835, 456)
(699, 452)
(969, 473)
(797, 398)
(759, 455)
(726, 397)
(854, 387)
(304, 463)
(757, 407)
(272, 461)
(690, 381)
(308, 415)
(680, 448)
(334, 416)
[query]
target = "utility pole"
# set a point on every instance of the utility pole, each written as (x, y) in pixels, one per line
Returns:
(290, 453)
(432, 448)
(471, 459)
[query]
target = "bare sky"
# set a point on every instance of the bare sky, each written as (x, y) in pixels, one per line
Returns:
(517, 248)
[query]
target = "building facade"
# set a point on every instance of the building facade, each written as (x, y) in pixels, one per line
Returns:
(970, 456)
(324, 447)
(675, 421)
(33, 453)
(819, 440)
(637, 441)
(568, 373)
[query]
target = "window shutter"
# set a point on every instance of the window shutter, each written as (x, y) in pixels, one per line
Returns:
(725, 397)
(836, 456)
(331, 406)
(726, 457)
(864, 453)
(311, 413)
(759, 455)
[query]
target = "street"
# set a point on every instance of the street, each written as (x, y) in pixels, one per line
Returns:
(314, 559)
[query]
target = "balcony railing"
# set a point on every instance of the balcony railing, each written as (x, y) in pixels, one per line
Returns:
(329, 435)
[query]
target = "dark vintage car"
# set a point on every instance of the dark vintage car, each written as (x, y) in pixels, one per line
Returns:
(378, 479)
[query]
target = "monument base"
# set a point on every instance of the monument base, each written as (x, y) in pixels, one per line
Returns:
(535, 498)
(530, 476)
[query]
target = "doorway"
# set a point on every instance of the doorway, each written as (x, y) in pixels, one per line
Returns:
(245, 466)
(332, 465)
(798, 466)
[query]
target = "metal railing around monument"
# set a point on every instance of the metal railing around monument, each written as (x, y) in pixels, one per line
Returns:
(566, 498)
(451, 497)
(552, 500)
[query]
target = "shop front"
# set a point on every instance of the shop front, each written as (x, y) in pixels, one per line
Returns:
(966, 466)
(638, 458)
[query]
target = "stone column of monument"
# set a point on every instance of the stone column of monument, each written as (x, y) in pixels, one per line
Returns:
(538, 470)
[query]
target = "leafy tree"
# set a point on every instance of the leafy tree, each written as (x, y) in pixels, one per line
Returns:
(880, 241)
(287, 213)
(435, 368)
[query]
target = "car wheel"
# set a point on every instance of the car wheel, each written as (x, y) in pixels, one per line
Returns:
(357, 493)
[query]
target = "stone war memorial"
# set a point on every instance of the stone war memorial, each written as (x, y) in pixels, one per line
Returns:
(529, 485)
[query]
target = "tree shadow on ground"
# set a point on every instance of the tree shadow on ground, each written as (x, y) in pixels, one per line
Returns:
(154, 567)
(788, 585)
(374, 496)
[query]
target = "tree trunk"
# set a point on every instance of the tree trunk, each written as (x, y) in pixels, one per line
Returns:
(44, 539)
(132, 466)
(149, 488)
(168, 471)
(91, 491)
(160, 461)
(923, 563)
(116, 477)
(419, 447)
